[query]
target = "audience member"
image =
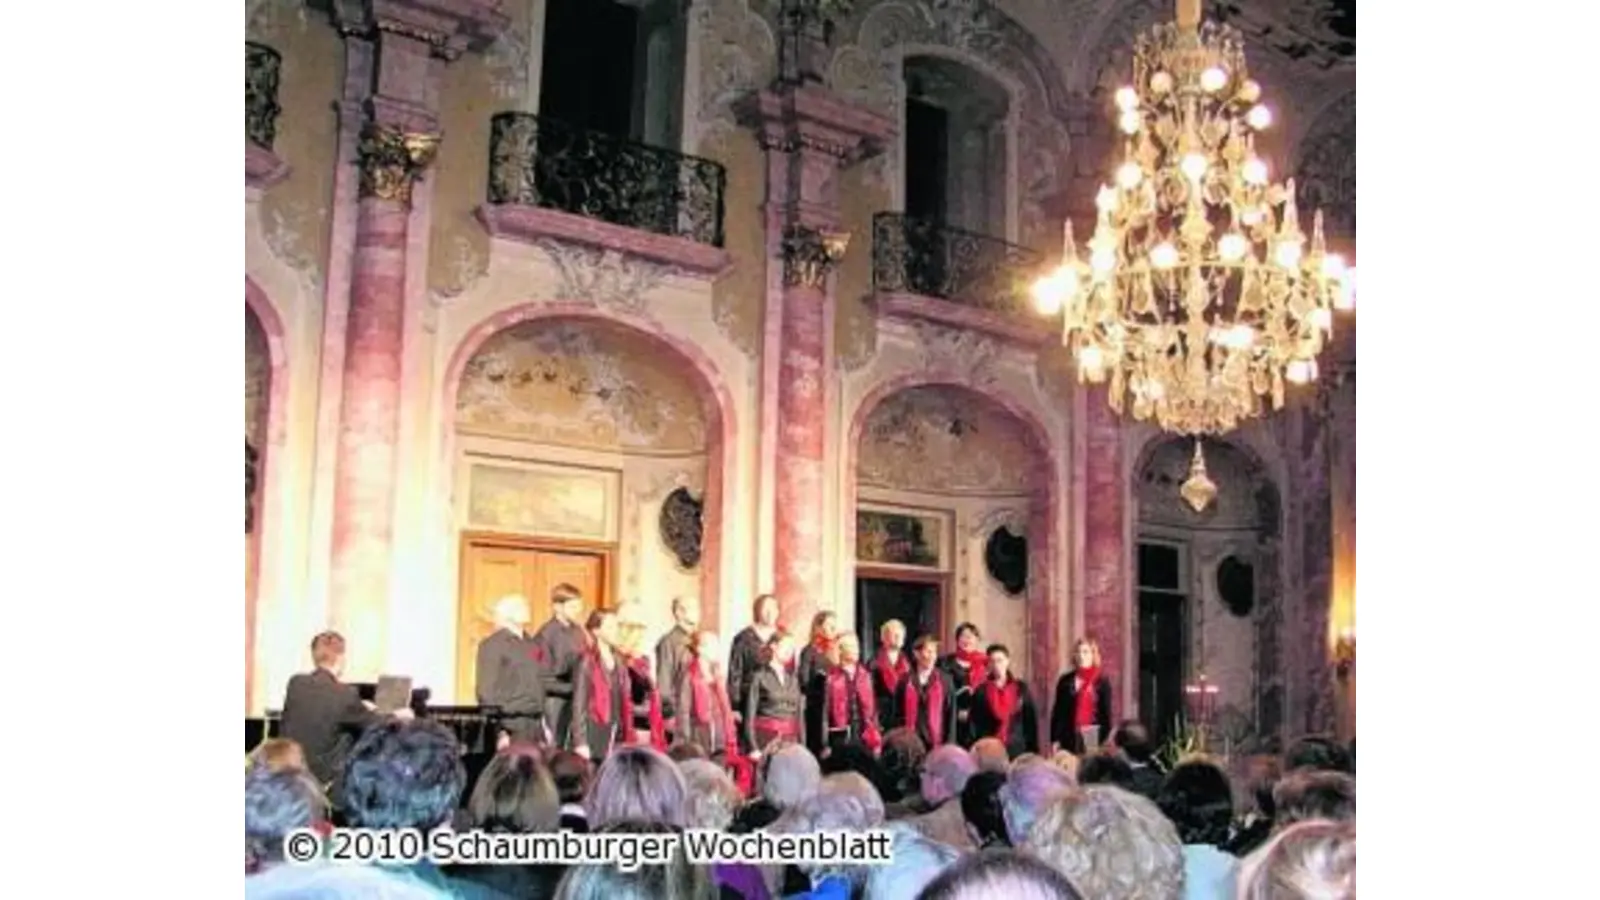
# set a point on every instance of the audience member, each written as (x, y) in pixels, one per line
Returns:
(337, 881)
(275, 755)
(686, 750)
(636, 783)
(980, 806)
(677, 880)
(1027, 791)
(789, 775)
(944, 774)
(1106, 767)
(1067, 762)
(712, 800)
(1255, 826)
(991, 756)
(1198, 800)
(514, 795)
(1310, 860)
(1111, 844)
(571, 774)
(903, 753)
(1006, 874)
(1317, 752)
(275, 804)
(1132, 741)
(827, 810)
(917, 860)
(856, 785)
(1313, 794)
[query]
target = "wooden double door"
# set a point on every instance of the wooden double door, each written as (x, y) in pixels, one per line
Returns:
(495, 565)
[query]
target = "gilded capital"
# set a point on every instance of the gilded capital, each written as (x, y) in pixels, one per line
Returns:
(809, 255)
(392, 160)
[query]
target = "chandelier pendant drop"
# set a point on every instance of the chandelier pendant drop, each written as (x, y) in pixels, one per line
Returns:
(1201, 299)
(1198, 490)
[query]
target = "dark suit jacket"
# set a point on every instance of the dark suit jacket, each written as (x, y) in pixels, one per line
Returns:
(324, 716)
(508, 677)
(1061, 715)
(1022, 732)
(672, 651)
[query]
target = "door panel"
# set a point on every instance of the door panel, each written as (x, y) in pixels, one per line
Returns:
(1161, 638)
(492, 568)
(914, 603)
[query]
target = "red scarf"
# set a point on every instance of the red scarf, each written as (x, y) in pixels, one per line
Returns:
(840, 685)
(639, 666)
(709, 703)
(600, 696)
(979, 662)
(890, 675)
(935, 700)
(1083, 713)
(1003, 703)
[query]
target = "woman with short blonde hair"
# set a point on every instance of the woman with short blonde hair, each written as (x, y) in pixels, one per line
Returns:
(1310, 860)
(1111, 844)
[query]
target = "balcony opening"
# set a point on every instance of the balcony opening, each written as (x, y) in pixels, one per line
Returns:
(615, 67)
(956, 146)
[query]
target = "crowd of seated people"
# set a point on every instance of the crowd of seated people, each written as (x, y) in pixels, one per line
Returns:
(965, 824)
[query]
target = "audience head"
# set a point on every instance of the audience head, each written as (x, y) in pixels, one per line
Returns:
(712, 796)
(945, 773)
(1198, 799)
(1312, 794)
(1086, 653)
(991, 756)
(792, 775)
(968, 638)
(403, 774)
(677, 880)
(1262, 774)
(893, 634)
(636, 783)
(917, 860)
(1133, 740)
(511, 611)
(337, 881)
(1311, 860)
(275, 804)
(999, 661)
(1066, 762)
(566, 602)
(852, 756)
(980, 806)
(684, 751)
(1026, 759)
(828, 809)
(849, 647)
(1320, 753)
(327, 652)
(926, 651)
(765, 611)
(571, 774)
(515, 795)
(1104, 767)
(1000, 873)
(1113, 844)
(901, 758)
(276, 755)
(856, 785)
(1027, 791)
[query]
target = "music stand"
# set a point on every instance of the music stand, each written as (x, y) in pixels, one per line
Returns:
(393, 693)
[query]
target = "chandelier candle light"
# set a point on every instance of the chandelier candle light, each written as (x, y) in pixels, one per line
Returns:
(1201, 295)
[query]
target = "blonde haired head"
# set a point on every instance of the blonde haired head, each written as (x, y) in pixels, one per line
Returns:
(1111, 843)
(849, 647)
(1310, 860)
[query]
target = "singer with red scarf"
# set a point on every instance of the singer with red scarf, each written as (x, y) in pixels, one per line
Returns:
(704, 715)
(852, 710)
(816, 659)
(602, 704)
(1083, 700)
(889, 668)
(774, 705)
(925, 701)
(1002, 707)
(968, 668)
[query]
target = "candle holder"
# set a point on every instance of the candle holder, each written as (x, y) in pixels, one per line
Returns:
(1200, 697)
(1344, 653)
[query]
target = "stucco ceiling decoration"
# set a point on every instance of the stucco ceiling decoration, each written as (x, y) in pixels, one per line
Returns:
(945, 440)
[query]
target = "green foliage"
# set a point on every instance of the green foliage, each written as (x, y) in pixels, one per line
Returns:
(1188, 740)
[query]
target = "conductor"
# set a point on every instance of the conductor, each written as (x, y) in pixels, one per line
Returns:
(508, 677)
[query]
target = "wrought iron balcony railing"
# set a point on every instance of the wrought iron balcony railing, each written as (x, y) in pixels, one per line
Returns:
(261, 68)
(920, 256)
(542, 162)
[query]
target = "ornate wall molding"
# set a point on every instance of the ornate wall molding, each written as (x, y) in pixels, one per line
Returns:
(1326, 172)
(969, 357)
(868, 71)
(810, 255)
(392, 161)
(738, 55)
(604, 277)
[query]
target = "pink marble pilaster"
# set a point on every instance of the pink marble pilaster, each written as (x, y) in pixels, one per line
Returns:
(1107, 554)
(802, 415)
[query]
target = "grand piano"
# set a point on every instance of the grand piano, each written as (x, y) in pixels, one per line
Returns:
(476, 727)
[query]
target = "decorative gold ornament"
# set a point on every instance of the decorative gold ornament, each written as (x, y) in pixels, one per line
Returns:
(1198, 490)
(810, 254)
(1201, 295)
(392, 160)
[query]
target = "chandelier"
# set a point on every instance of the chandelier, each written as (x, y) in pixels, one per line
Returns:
(1201, 298)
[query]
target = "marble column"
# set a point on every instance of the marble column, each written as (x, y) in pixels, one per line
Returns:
(408, 40)
(809, 135)
(1106, 555)
(1343, 475)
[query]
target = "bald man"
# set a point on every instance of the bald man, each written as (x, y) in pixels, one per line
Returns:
(507, 675)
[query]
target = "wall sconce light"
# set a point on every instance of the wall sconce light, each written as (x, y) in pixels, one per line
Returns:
(1344, 653)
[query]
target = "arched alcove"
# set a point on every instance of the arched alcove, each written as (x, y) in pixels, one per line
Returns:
(1190, 568)
(580, 442)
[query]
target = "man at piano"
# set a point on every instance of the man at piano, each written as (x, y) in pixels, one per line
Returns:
(324, 715)
(507, 676)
